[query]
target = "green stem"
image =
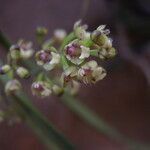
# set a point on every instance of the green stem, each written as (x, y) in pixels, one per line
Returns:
(4, 41)
(99, 124)
(37, 122)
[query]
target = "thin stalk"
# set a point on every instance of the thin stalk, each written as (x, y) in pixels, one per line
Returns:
(99, 124)
(4, 40)
(46, 132)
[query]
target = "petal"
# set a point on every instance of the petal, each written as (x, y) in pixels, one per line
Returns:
(49, 66)
(85, 52)
(55, 58)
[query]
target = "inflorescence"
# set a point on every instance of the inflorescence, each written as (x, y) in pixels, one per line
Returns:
(62, 63)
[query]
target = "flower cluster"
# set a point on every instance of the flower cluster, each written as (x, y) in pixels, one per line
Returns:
(63, 68)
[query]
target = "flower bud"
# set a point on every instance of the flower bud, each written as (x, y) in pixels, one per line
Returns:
(80, 31)
(15, 52)
(4, 69)
(101, 39)
(41, 31)
(57, 90)
(12, 86)
(59, 35)
(22, 72)
(41, 89)
(111, 52)
(107, 53)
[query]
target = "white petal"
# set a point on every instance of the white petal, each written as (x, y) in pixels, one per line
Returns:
(101, 27)
(92, 64)
(85, 52)
(55, 58)
(49, 66)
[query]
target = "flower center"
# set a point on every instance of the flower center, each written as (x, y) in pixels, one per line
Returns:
(73, 50)
(38, 87)
(45, 56)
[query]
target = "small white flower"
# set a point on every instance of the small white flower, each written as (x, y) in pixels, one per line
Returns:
(91, 72)
(80, 31)
(76, 53)
(22, 49)
(12, 86)
(47, 59)
(85, 52)
(41, 89)
(69, 75)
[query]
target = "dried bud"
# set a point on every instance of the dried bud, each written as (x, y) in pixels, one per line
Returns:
(41, 88)
(91, 72)
(4, 69)
(22, 72)
(57, 90)
(59, 35)
(12, 86)
(76, 53)
(47, 59)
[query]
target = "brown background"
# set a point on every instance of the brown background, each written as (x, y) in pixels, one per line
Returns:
(122, 98)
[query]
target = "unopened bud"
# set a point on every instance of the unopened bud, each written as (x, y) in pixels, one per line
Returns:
(98, 38)
(22, 72)
(15, 52)
(112, 52)
(57, 90)
(4, 69)
(41, 31)
(12, 87)
(60, 34)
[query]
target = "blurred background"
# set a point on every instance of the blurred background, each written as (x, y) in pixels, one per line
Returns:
(122, 99)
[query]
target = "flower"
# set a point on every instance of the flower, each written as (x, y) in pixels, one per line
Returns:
(41, 88)
(91, 72)
(22, 49)
(12, 86)
(76, 53)
(69, 75)
(47, 59)
(80, 31)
